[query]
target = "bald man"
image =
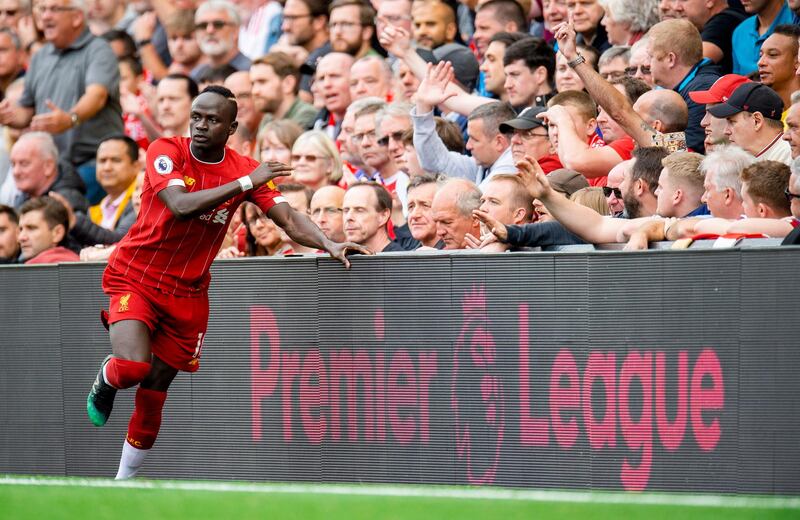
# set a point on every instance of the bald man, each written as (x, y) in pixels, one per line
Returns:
(333, 80)
(453, 204)
(239, 83)
(434, 24)
(326, 211)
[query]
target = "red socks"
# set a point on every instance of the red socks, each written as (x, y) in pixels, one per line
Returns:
(121, 373)
(146, 419)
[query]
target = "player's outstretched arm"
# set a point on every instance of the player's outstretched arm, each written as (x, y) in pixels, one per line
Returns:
(302, 230)
(184, 204)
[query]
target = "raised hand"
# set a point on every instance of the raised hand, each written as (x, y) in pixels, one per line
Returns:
(396, 40)
(566, 38)
(268, 171)
(339, 250)
(497, 228)
(534, 178)
(433, 89)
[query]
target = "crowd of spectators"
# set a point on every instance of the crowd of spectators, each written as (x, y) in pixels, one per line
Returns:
(411, 124)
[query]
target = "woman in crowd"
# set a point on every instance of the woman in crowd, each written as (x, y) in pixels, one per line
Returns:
(315, 160)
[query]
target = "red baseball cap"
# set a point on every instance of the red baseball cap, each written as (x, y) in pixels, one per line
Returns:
(720, 91)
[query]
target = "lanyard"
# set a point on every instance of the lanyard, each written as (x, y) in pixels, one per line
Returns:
(692, 74)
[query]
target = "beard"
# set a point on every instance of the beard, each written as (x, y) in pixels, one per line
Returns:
(348, 47)
(632, 205)
(215, 48)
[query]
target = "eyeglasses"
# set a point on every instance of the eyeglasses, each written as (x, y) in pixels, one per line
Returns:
(394, 136)
(357, 138)
(216, 24)
(9, 12)
(309, 158)
(530, 134)
(608, 191)
(790, 195)
(329, 211)
(345, 26)
(41, 9)
(644, 69)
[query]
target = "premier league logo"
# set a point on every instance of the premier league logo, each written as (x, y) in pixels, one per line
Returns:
(480, 423)
(163, 164)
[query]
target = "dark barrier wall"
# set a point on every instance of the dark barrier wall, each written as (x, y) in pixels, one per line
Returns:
(652, 371)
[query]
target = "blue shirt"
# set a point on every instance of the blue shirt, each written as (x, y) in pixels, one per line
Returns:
(747, 42)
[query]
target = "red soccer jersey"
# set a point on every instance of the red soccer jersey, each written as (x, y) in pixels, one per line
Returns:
(171, 255)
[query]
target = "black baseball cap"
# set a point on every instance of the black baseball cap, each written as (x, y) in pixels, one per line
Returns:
(750, 97)
(524, 121)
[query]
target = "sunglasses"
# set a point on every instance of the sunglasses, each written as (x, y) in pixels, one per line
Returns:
(608, 191)
(644, 69)
(790, 195)
(9, 12)
(216, 24)
(306, 157)
(394, 136)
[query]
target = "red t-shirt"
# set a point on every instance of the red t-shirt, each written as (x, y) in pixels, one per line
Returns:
(549, 163)
(171, 255)
(597, 142)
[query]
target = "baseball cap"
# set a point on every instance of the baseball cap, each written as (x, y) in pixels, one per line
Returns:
(567, 181)
(750, 97)
(524, 121)
(465, 65)
(720, 91)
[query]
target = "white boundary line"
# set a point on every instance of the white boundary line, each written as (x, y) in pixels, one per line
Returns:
(433, 491)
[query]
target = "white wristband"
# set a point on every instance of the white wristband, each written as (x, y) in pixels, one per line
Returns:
(245, 182)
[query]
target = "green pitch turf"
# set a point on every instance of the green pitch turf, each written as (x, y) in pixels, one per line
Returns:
(98, 499)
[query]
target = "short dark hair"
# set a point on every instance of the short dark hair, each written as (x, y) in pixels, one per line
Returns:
(295, 187)
(493, 114)
(647, 165)
(114, 35)
(508, 38)
(227, 94)
(792, 31)
(384, 202)
(282, 65)
(634, 87)
(216, 75)
(535, 52)
(12, 214)
(767, 182)
(134, 63)
(422, 180)
(317, 7)
(506, 11)
(54, 212)
(366, 14)
(191, 85)
(131, 147)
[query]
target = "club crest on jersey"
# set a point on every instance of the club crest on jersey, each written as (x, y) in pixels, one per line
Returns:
(163, 164)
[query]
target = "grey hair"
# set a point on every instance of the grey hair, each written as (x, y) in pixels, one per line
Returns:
(365, 105)
(219, 5)
(15, 41)
(396, 109)
(78, 4)
(795, 168)
(468, 199)
(612, 53)
(727, 163)
(639, 44)
(47, 146)
(795, 97)
(640, 15)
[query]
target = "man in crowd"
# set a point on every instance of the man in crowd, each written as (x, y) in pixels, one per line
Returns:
(680, 186)
(43, 225)
(68, 94)
(333, 77)
(12, 58)
(370, 76)
(434, 24)
(217, 30)
(37, 171)
(174, 95)
(453, 204)
(714, 127)
(275, 85)
(529, 66)
(494, 76)
(751, 33)
(529, 136)
(421, 191)
(723, 185)
(753, 113)
(366, 208)
(351, 24)
(778, 63)
(497, 16)
(9, 235)
(326, 212)
(792, 133)
(374, 151)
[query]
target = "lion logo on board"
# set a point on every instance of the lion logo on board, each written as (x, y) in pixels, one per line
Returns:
(163, 164)
(123, 302)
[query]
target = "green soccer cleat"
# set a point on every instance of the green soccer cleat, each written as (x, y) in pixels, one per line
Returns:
(101, 398)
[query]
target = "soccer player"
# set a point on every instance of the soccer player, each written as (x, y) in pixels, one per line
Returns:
(158, 276)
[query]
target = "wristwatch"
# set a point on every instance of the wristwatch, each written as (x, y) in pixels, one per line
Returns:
(142, 43)
(74, 119)
(577, 61)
